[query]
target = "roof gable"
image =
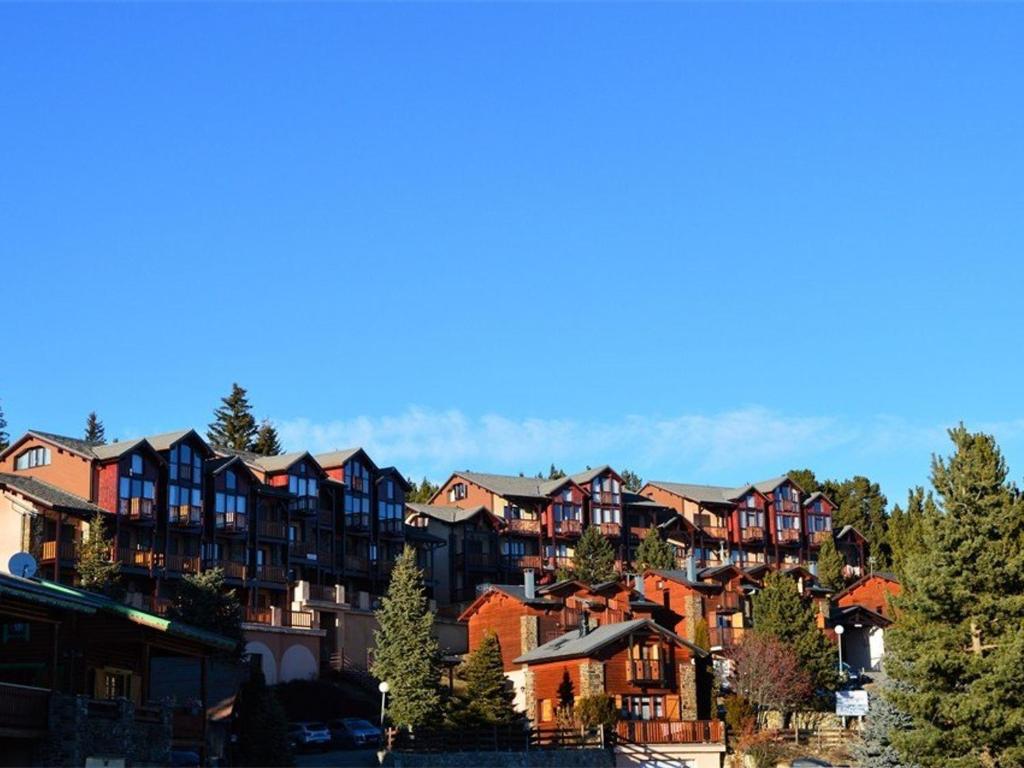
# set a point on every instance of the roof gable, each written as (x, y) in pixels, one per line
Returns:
(44, 493)
(82, 448)
(573, 644)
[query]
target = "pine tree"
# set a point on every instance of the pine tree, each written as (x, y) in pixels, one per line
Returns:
(875, 748)
(632, 481)
(862, 504)
(780, 612)
(907, 528)
(203, 601)
(702, 635)
(555, 473)
(422, 493)
(97, 569)
(233, 425)
(267, 442)
(654, 552)
(806, 479)
(94, 431)
(830, 564)
(5, 439)
(406, 653)
(957, 647)
(487, 689)
(594, 559)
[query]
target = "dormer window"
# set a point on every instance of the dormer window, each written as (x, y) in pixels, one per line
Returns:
(357, 477)
(751, 501)
(33, 457)
(457, 492)
(186, 464)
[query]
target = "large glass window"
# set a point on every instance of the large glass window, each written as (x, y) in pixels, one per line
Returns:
(33, 457)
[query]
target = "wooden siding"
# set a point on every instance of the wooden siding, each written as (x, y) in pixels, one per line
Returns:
(66, 470)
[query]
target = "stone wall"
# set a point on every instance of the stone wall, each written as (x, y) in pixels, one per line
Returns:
(591, 678)
(106, 729)
(537, 758)
(687, 672)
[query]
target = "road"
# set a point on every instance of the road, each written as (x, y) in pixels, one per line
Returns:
(350, 758)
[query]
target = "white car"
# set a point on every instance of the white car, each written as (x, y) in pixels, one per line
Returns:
(306, 735)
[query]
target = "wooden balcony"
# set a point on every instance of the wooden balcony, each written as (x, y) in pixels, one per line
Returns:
(271, 529)
(258, 615)
(136, 509)
(788, 536)
(271, 573)
(606, 498)
(568, 527)
(325, 593)
(752, 533)
(231, 568)
(818, 537)
(522, 526)
(671, 731)
(231, 522)
(68, 551)
(357, 521)
(520, 562)
(304, 505)
(556, 562)
(24, 710)
(298, 619)
(613, 530)
(135, 558)
(786, 507)
(302, 549)
(645, 670)
(185, 516)
(182, 563)
(716, 531)
(726, 637)
(727, 601)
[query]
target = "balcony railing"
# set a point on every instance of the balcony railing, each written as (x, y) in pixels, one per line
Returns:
(555, 562)
(136, 508)
(304, 505)
(519, 562)
(23, 708)
(298, 619)
(522, 525)
(818, 537)
(788, 535)
(258, 615)
(605, 498)
(568, 527)
(182, 563)
(135, 558)
(271, 573)
(232, 522)
(611, 529)
(715, 531)
(68, 551)
(232, 569)
(302, 549)
(727, 601)
(357, 521)
(391, 527)
(670, 731)
(752, 533)
(325, 593)
(787, 506)
(185, 515)
(726, 637)
(646, 670)
(271, 529)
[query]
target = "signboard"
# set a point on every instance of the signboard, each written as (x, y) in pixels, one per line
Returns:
(852, 703)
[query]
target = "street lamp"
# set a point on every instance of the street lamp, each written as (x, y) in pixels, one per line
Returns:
(383, 688)
(839, 632)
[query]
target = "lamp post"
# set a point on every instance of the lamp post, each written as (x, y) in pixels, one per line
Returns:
(383, 688)
(839, 633)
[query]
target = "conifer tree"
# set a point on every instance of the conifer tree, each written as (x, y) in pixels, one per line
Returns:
(631, 481)
(5, 439)
(781, 613)
(830, 564)
(907, 528)
(267, 442)
(594, 559)
(406, 653)
(233, 424)
(422, 493)
(875, 749)
(861, 503)
(806, 479)
(957, 647)
(555, 473)
(97, 569)
(94, 431)
(204, 601)
(487, 689)
(654, 552)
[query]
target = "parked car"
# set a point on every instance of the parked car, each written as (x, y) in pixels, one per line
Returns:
(355, 732)
(307, 735)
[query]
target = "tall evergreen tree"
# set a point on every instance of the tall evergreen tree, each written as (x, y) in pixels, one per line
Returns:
(94, 431)
(806, 479)
(781, 613)
(267, 442)
(555, 473)
(875, 748)
(957, 647)
(862, 504)
(406, 653)
(203, 601)
(830, 564)
(488, 691)
(594, 559)
(632, 481)
(98, 571)
(654, 552)
(5, 439)
(422, 493)
(907, 528)
(233, 424)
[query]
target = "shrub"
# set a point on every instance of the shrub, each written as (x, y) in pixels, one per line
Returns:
(739, 714)
(593, 711)
(764, 748)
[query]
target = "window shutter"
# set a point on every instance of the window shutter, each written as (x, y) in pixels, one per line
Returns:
(546, 714)
(672, 711)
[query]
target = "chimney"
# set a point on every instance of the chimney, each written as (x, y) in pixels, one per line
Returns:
(584, 622)
(691, 569)
(529, 584)
(813, 568)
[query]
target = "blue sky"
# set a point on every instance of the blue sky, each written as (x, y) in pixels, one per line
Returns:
(708, 242)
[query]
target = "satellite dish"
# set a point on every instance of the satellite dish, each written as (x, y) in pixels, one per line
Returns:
(22, 564)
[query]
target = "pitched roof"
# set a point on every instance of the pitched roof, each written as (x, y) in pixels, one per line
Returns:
(450, 515)
(680, 577)
(118, 449)
(767, 486)
(815, 496)
(336, 458)
(45, 592)
(507, 485)
(414, 534)
(704, 494)
(884, 575)
(584, 477)
(49, 495)
(262, 463)
(81, 447)
(847, 530)
(573, 644)
(165, 440)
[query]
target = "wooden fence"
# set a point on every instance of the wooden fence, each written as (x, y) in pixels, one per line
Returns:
(494, 739)
(671, 731)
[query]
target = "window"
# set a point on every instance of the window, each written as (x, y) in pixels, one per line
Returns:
(457, 492)
(643, 707)
(752, 519)
(512, 512)
(33, 457)
(136, 464)
(136, 488)
(117, 684)
(547, 710)
(514, 548)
